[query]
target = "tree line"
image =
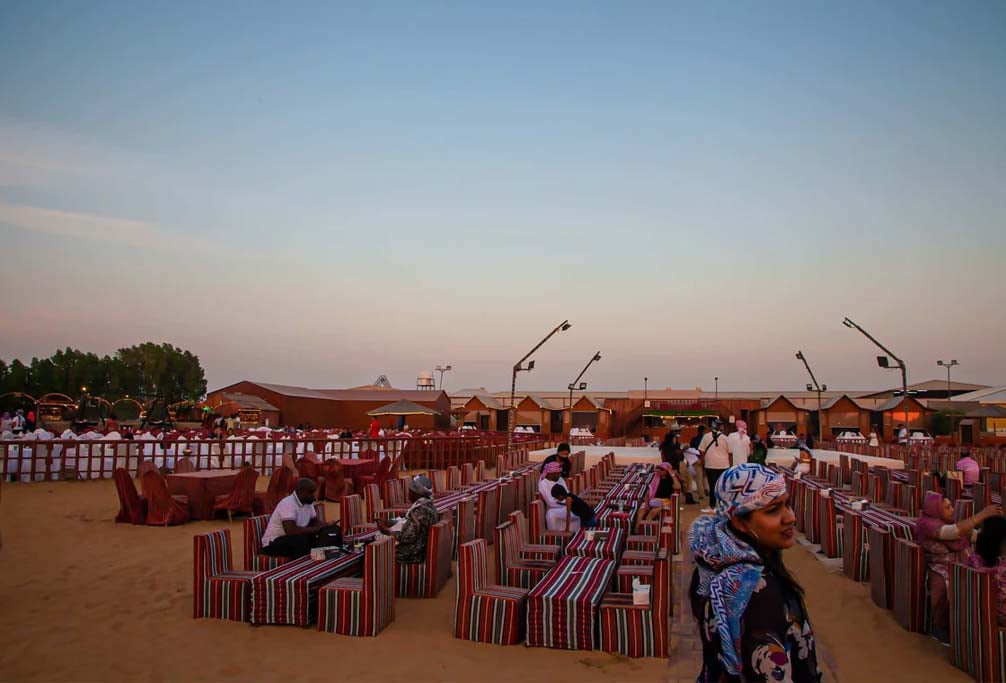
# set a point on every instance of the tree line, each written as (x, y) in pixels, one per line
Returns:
(142, 371)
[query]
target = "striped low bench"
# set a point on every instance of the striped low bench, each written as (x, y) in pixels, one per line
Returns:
(486, 612)
(361, 606)
(638, 630)
(425, 579)
(910, 604)
(881, 556)
(977, 642)
(219, 592)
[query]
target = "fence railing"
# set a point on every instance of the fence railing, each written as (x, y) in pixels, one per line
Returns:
(55, 459)
(921, 455)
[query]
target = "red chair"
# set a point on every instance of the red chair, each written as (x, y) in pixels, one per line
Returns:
(485, 612)
(310, 470)
(336, 483)
(144, 467)
(487, 513)
(361, 606)
(132, 506)
(531, 551)
(279, 484)
(425, 579)
(395, 493)
(396, 467)
(184, 465)
(638, 630)
(511, 570)
(219, 591)
(539, 531)
(383, 470)
(163, 509)
(353, 516)
(242, 495)
(464, 523)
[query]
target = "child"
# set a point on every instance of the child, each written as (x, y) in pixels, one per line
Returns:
(575, 505)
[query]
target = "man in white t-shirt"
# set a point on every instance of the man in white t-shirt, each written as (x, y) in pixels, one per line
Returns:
(715, 459)
(739, 443)
(902, 435)
(294, 528)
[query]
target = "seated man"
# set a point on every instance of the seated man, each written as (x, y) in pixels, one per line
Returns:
(411, 540)
(970, 467)
(293, 527)
(575, 506)
(560, 456)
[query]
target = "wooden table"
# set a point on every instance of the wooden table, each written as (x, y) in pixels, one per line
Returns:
(562, 609)
(608, 549)
(201, 488)
(288, 594)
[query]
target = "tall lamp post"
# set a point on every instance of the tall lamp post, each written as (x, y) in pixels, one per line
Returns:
(716, 394)
(518, 367)
(819, 388)
(948, 365)
(576, 384)
(442, 369)
(884, 362)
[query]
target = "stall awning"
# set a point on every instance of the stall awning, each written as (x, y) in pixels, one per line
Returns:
(680, 413)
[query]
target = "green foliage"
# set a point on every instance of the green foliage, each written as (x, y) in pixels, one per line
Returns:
(145, 370)
(944, 422)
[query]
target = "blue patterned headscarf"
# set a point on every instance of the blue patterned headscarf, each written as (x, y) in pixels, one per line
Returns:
(729, 568)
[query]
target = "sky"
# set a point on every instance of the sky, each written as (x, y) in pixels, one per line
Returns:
(320, 193)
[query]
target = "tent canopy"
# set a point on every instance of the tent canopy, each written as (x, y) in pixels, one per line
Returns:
(403, 407)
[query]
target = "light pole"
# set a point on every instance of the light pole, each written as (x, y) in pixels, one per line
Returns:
(582, 385)
(442, 369)
(512, 413)
(819, 388)
(646, 394)
(948, 366)
(883, 362)
(716, 394)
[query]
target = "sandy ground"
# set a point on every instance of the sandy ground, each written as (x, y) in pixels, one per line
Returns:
(84, 599)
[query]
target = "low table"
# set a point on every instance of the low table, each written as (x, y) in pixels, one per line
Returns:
(288, 594)
(202, 488)
(562, 609)
(608, 549)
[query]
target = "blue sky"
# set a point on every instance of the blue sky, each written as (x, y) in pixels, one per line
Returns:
(319, 193)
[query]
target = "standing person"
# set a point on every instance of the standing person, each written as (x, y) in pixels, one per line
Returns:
(698, 475)
(769, 443)
(739, 443)
(759, 453)
(945, 541)
(6, 422)
(375, 428)
(902, 435)
(874, 440)
(750, 610)
(715, 459)
(17, 426)
(560, 456)
(29, 421)
(970, 467)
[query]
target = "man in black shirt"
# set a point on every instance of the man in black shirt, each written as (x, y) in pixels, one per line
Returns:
(576, 505)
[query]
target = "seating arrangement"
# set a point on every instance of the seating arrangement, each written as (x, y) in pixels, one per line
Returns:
(132, 506)
(361, 606)
(910, 604)
(638, 630)
(254, 529)
(486, 612)
(977, 641)
(511, 569)
(527, 550)
(353, 518)
(242, 495)
(337, 484)
(279, 483)
(488, 513)
(219, 592)
(163, 509)
(425, 579)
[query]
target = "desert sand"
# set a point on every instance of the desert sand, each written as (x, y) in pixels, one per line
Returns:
(85, 599)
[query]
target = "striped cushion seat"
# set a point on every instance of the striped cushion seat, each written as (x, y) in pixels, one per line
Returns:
(910, 606)
(361, 606)
(464, 523)
(977, 642)
(254, 528)
(626, 573)
(219, 592)
(510, 569)
(487, 513)
(484, 612)
(507, 499)
(830, 522)
(531, 551)
(425, 579)
(855, 562)
(881, 559)
(638, 630)
(639, 557)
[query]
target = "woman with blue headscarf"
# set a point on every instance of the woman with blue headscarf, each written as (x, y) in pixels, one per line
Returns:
(752, 619)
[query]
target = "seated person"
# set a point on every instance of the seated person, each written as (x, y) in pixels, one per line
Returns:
(411, 540)
(560, 456)
(970, 467)
(664, 484)
(575, 506)
(293, 527)
(945, 541)
(557, 517)
(990, 553)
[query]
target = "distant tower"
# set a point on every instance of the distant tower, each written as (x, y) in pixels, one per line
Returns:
(425, 382)
(382, 381)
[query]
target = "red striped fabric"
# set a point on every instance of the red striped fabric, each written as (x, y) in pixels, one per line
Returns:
(562, 608)
(219, 592)
(365, 606)
(286, 594)
(511, 570)
(608, 549)
(425, 579)
(910, 606)
(638, 630)
(484, 612)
